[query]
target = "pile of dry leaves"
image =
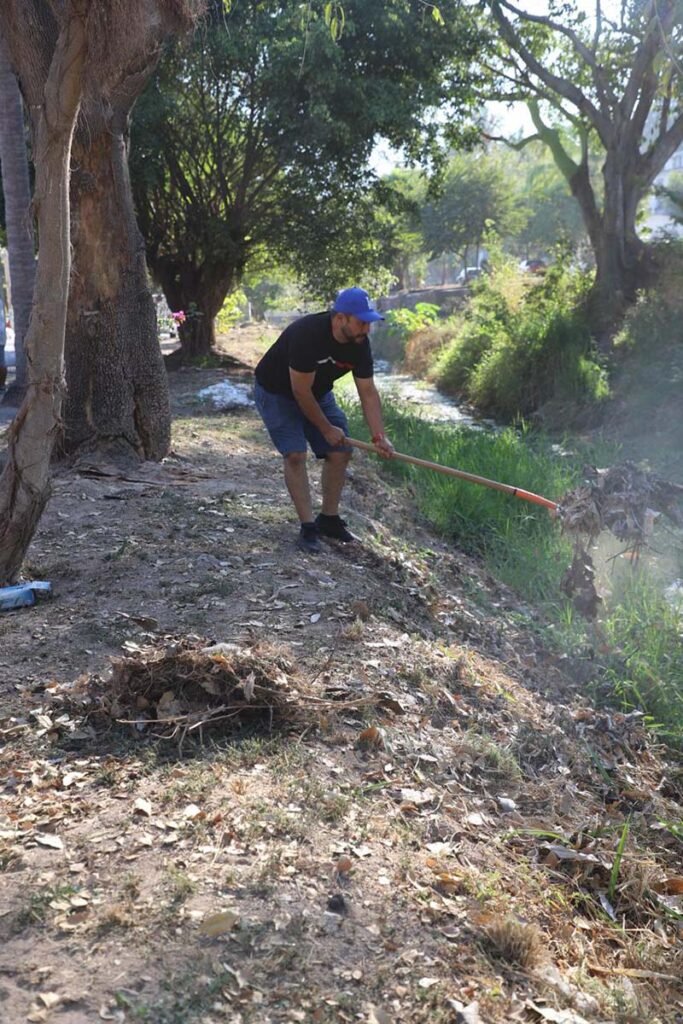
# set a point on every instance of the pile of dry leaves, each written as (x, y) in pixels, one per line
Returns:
(625, 500)
(177, 687)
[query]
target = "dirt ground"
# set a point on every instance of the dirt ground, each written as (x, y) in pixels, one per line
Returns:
(441, 828)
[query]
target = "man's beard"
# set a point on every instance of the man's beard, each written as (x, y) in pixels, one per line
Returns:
(358, 339)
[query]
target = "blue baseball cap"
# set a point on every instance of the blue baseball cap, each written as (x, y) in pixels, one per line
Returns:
(356, 302)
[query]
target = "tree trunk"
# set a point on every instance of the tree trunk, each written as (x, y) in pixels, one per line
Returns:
(200, 295)
(25, 480)
(197, 334)
(18, 217)
(117, 388)
(619, 253)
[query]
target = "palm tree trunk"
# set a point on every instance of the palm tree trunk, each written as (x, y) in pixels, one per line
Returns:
(18, 216)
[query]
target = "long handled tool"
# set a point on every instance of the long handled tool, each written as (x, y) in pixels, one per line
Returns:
(516, 492)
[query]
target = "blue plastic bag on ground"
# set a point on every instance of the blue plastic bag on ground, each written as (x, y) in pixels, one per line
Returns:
(23, 595)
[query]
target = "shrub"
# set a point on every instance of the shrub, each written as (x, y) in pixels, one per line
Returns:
(401, 323)
(423, 347)
(232, 311)
(520, 348)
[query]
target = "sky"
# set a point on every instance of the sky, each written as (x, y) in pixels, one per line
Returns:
(509, 118)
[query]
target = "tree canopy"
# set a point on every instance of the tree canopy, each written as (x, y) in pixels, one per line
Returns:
(263, 128)
(617, 82)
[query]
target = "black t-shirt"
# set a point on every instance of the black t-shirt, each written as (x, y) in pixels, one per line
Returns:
(308, 346)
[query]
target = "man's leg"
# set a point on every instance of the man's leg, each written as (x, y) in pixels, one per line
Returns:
(296, 478)
(333, 476)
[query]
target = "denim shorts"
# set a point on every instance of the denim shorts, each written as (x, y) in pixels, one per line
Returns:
(288, 427)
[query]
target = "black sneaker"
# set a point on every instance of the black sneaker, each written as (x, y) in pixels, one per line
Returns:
(308, 539)
(334, 528)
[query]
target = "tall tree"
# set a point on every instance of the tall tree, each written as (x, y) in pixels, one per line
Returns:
(18, 220)
(475, 193)
(618, 81)
(92, 38)
(117, 391)
(24, 484)
(260, 134)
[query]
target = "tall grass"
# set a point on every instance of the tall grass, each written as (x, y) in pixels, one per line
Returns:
(646, 631)
(520, 541)
(523, 546)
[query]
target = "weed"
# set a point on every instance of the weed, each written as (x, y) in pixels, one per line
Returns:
(180, 885)
(354, 631)
(117, 917)
(36, 910)
(616, 866)
(514, 942)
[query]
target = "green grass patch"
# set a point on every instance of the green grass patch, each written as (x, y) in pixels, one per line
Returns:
(646, 631)
(520, 542)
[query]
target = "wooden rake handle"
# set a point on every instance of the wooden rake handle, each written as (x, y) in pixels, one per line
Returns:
(460, 474)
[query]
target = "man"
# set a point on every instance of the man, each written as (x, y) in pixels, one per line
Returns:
(293, 394)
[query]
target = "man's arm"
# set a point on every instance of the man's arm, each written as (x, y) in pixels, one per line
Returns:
(372, 410)
(302, 389)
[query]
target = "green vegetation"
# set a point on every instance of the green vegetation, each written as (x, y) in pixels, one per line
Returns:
(401, 323)
(519, 346)
(521, 545)
(251, 143)
(642, 666)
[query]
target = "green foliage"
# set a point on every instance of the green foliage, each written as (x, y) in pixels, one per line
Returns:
(520, 542)
(397, 225)
(268, 288)
(257, 135)
(548, 212)
(647, 671)
(401, 323)
(515, 353)
(564, 64)
(473, 194)
(233, 310)
(648, 376)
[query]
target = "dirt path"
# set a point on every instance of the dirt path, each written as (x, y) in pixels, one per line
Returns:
(436, 844)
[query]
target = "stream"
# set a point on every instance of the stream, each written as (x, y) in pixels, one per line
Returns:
(432, 404)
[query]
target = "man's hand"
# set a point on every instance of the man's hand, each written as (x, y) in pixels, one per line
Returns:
(334, 435)
(383, 446)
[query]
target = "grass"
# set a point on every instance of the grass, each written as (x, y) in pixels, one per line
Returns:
(639, 635)
(519, 541)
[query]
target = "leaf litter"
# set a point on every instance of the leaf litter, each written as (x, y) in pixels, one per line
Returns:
(286, 870)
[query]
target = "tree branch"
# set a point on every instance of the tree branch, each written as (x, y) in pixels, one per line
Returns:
(605, 92)
(559, 85)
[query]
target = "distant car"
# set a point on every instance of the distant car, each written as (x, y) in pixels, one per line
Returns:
(533, 266)
(468, 274)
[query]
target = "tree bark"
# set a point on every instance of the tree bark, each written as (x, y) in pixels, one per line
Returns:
(199, 293)
(18, 217)
(117, 388)
(25, 480)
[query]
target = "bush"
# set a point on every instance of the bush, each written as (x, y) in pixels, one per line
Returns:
(423, 347)
(519, 349)
(232, 311)
(401, 323)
